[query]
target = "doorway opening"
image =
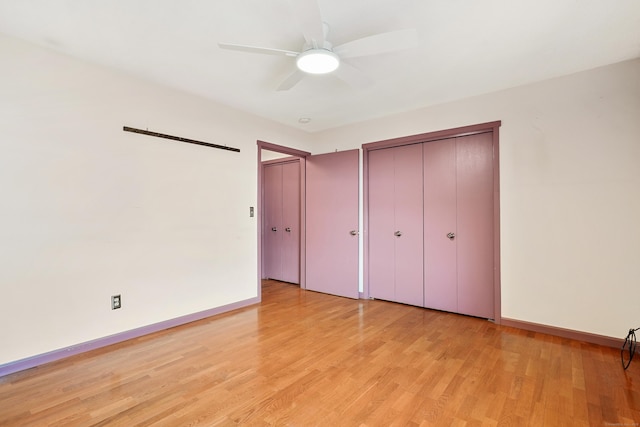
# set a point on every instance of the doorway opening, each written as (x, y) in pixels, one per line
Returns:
(273, 153)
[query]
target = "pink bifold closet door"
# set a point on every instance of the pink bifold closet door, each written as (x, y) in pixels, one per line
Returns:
(474, 161)
(408, 225)
(430, 237)
(395, 224)
(291, 222)
(281, 233)
(440, 248)
(332, 223)
(272, 222)
(381, 225)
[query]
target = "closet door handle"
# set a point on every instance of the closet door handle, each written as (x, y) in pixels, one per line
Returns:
(354, 232)
(274, 229)
(288, 229)
(398, 233)
(451, 236)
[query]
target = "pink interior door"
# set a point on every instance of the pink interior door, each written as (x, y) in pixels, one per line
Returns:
(332, 223)
(440, 258)
(272, 222)
(408, 229)
(474, 158)
(291, 222)
(381, 224)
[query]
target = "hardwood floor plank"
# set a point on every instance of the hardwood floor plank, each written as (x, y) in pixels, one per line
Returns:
(304, 359)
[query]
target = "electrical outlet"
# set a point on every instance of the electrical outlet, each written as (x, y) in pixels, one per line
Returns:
(116, 302)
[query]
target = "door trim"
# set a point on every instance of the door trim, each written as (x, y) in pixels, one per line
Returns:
(434, 136)
(263, 145)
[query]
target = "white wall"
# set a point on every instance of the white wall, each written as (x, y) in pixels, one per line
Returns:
(570, 192)
(89, 211)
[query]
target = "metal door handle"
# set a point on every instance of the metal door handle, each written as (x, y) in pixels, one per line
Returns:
(354, 232)
(288, 229)
(274, 229)
(398, 233)
(451, 236)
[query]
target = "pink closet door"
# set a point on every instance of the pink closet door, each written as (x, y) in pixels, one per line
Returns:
(272, 222)
(381, 224)
(291, 222)
(440, 255)
(395, 224)
(332, 223)
(408, 232)
(474, 159)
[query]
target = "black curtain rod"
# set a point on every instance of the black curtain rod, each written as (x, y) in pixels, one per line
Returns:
(179, 138)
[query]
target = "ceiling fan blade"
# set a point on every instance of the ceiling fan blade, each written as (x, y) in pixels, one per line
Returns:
(291, 81)
(256, 49)
(379, 43)
(307, 15)
(352, 76)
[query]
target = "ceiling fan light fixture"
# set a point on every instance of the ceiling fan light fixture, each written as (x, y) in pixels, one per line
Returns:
(318, 61)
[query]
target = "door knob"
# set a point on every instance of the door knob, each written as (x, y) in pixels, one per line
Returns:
(398, 233)
(274, 229)
(354, 232)
(288, 229)
(451, 236)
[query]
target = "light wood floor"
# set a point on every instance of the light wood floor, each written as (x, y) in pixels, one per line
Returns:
(304, 359)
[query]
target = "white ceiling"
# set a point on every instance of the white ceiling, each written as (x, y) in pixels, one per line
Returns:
(466, 47)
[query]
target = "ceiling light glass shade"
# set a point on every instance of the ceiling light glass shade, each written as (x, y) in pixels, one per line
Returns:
(318, 61)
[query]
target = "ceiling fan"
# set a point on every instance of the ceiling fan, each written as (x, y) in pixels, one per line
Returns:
(319, 56)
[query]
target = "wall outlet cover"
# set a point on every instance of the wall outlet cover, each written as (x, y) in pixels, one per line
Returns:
(116, 302)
